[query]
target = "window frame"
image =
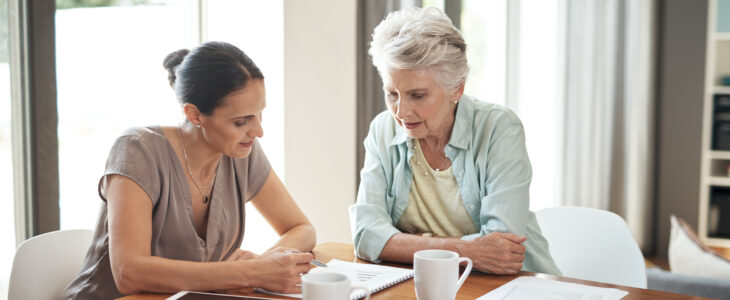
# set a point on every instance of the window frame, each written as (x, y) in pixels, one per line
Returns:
(34, 116)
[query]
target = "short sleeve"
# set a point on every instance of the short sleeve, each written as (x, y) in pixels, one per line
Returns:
(134, 155)
(258, 170)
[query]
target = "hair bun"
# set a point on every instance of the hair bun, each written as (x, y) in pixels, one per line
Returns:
(173, 60)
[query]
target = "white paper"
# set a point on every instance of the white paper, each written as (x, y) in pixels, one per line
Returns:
(528, 287)
(374, 277)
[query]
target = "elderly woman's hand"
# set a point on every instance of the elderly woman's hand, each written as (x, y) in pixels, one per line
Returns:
(496, 253)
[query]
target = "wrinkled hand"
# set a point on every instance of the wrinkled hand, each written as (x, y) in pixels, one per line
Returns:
(279, 270)
(241, 254)
(496, 253)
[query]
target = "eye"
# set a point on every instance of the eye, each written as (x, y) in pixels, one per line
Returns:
(392, 96)
(418, 96)
(241, 122)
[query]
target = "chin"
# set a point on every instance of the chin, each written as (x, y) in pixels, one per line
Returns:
(415, 134)
(241, 153)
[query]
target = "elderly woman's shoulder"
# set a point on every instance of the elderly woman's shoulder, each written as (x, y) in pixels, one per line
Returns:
(384, 126)
(383, 121)
(494, 113)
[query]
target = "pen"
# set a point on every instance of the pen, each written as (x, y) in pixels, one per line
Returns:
(314, 262)
(318, 263)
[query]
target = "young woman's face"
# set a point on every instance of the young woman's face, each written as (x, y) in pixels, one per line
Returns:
(417, 102)
(236, 123)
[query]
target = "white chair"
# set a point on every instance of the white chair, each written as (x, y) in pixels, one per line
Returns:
(593, 244)
(45, 264)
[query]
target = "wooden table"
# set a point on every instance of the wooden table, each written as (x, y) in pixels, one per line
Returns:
(476, 285)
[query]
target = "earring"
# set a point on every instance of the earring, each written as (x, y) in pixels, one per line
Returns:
(197, 125)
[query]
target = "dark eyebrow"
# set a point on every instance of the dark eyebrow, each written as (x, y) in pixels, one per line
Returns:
(242, 117)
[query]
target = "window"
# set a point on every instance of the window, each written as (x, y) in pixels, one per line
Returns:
(484, 27)
(513, 59)
(110, 78)
(537, 101)
(7, 217)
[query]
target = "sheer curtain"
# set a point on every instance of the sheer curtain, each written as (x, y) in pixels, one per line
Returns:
(607, 105)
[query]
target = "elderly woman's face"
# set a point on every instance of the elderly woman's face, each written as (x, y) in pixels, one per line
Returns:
(419, 104)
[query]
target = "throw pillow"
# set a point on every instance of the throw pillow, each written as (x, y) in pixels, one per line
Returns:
(688, 255)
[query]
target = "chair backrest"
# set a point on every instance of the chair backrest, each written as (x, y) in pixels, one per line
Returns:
(592, 244)
(44, 265)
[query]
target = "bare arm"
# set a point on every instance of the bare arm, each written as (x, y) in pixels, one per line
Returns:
(136, 270)
(276, 205)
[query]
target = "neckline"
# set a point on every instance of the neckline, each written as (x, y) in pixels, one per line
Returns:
(421, 156)
(213, 206)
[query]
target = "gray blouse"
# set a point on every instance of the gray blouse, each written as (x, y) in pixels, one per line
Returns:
(145, 156)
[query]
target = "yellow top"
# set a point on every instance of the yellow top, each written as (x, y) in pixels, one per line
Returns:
(434, 204)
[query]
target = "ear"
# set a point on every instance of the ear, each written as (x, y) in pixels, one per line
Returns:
(193, 114)
(458, 93)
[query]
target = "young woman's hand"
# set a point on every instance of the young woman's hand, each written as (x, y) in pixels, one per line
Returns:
(496, 253)
(279, 270)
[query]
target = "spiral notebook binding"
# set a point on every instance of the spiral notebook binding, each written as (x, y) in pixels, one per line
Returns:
(360, 295)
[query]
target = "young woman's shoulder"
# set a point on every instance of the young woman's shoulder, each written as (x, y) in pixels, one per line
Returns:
(141, 142)
(145, 134)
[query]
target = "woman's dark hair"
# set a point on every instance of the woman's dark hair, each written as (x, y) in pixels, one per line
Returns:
(204, 76)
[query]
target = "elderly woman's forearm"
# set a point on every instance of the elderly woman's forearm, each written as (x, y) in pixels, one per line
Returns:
(402, 246)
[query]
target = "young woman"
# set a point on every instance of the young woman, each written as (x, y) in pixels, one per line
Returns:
(174, 197)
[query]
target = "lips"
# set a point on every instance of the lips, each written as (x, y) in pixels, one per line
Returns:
(412, 125)
(249, 144)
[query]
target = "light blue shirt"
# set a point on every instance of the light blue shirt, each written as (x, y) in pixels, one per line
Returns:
(490, 163)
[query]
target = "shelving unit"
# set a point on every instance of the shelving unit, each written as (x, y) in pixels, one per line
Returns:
(722, 89)
(714, 219)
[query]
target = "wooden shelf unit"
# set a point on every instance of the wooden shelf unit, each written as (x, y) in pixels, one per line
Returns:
(715, 168)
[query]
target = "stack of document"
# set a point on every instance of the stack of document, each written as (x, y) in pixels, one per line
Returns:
(528, 287)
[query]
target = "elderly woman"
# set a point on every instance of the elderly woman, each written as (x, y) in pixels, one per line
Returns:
(442, 170)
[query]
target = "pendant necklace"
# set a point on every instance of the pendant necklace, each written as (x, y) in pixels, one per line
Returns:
(185, 155)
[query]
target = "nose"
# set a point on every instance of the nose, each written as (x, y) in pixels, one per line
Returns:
(257, 130)
(401, 109)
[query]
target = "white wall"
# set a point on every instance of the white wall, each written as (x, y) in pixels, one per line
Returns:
(319, 112)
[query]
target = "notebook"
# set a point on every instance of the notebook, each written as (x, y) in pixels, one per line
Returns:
(374, 277)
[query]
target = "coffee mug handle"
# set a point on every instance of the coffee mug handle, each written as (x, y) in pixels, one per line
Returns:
(362, 288)
(466, 271)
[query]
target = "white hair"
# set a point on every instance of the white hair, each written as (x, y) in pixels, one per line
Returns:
(420, 38)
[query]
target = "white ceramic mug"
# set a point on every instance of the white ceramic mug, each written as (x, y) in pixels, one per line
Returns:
(437, 274)
(329, 286)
